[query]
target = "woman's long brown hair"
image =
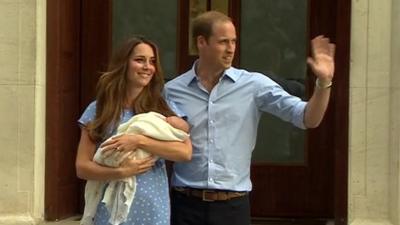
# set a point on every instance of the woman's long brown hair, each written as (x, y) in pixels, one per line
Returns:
(112, 91)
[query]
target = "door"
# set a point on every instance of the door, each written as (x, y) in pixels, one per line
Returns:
(62, 94)
(292, 177)
(311, 182)
(77, 50)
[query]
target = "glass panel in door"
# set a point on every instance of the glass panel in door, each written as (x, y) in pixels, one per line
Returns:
(273, 40)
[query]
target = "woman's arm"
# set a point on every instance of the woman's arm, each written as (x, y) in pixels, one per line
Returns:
(178, 123)
(171, 150)
(87, 169)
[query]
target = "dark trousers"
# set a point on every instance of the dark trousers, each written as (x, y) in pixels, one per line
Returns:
(188, 210)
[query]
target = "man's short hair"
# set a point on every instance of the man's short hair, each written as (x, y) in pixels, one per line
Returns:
(202, 25)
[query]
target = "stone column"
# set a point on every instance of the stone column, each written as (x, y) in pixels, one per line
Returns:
(22, 115)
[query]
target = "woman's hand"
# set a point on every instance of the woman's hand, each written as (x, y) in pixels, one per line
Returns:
(122, 143)
(132, 167)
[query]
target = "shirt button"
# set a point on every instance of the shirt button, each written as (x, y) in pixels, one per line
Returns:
(210, 179)
(211, 161)
(211, 141)
(212, 121)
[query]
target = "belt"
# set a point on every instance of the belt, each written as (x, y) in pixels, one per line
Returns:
(209, 195)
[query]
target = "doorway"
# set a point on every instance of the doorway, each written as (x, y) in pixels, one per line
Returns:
(310, 183)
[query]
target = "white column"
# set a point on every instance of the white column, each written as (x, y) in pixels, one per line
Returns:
(373, 176)
(22, 60)
(394, 194)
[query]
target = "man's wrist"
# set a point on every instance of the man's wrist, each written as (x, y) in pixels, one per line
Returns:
(323, 85)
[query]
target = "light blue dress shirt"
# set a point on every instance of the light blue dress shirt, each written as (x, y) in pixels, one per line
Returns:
(224, 125)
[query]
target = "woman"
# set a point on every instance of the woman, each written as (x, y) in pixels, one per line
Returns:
(132, 85)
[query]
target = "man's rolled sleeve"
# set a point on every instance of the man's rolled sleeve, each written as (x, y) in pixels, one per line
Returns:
(298, 115)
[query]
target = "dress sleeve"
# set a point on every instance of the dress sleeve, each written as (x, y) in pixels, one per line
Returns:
(172, 105)
(88, 115)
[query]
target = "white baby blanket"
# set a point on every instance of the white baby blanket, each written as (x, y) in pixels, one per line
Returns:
(119, 194)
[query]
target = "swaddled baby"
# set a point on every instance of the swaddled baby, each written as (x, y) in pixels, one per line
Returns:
(150, 124)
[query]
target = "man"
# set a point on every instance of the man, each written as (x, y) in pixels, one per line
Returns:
(223, 106)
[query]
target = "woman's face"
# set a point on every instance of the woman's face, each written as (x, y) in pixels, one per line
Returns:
(141, 66)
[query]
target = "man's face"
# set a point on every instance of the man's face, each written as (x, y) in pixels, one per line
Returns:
(219, 50)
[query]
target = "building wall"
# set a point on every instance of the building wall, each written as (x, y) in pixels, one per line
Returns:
(374, 172)
(374, 117)
(394, 155)
(22, 88)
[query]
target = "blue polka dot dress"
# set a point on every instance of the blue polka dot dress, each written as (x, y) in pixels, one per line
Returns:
(151, 204)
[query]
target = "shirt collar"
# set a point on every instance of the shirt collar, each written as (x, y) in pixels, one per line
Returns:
(229, 73)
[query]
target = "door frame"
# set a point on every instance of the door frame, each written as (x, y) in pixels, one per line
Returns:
(79, 42)
(78, 47)
(337, 13)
